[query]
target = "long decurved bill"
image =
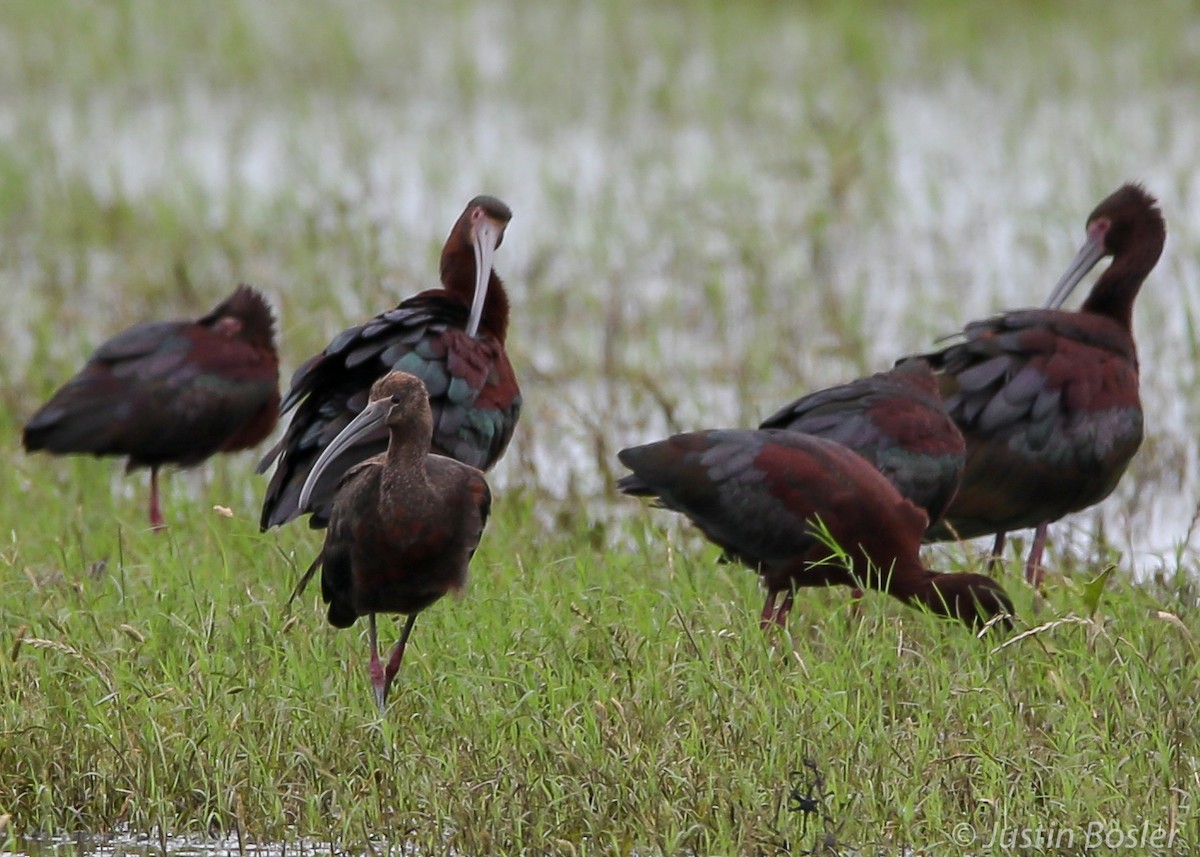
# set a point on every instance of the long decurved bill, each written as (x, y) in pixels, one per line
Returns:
(363, 427)
(1089, 254)
(486, 236)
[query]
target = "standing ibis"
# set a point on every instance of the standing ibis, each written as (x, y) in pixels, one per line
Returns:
(1047, 399)
(897, 421)
(770, 498)
(170, 392)
(403, 525)
(451, 338)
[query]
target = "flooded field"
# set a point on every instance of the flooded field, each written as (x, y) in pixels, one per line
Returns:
(715, 211)
(130, 845)
(728, 231)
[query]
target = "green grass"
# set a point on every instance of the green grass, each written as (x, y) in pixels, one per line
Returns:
(717, 207)
(577, 700)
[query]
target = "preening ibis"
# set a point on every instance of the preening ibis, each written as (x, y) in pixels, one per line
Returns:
(1047, 399)
(452, 338)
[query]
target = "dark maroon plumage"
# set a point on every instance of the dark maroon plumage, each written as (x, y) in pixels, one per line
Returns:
(897, 421)
(763, 495)
(170, 392)
(451, 338)
(403, 525)
(1047, 398)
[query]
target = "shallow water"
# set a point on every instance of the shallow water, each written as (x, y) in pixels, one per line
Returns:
(675, 241)
(131, 845)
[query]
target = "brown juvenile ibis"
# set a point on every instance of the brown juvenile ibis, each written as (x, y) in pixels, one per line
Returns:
(897, 421)
(403, 525)
(763, 496)
(1047, 398)
(170, 392)
(451, 338)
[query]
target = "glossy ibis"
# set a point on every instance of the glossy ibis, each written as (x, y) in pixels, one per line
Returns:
(170, 392)
(1047, 398)
(403, 525)
(897, 421)
(451, 338)
(763, 497)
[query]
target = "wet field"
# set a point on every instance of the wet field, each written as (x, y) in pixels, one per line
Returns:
(715, 212)
(700, 235)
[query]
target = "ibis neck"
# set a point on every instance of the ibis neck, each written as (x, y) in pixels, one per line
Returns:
(1113, 295)
(405, 474)
(458, 278)
(916, 586)
(1118, 286)
(906, 581)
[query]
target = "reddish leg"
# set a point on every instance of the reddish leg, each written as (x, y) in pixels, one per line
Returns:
(393, 665)
(1033, 567)
(997, 554)
(381, 678)
(376, 667)
(781, 615)
(156, 517)
(768, 611)
(776, 615)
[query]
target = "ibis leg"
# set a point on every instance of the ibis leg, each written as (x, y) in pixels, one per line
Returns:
(377, 680)
(773, 614)
(997, 554)
(156, 516)
(768, 611)
(393, 665)
(781, 615)
(1033, 567)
